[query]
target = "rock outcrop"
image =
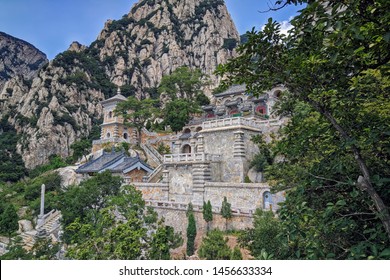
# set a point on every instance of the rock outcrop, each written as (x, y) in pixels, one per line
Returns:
(18, 58)
(61, 105)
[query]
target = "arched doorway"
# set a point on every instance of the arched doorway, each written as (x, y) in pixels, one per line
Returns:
(186, 149)
(267, 200)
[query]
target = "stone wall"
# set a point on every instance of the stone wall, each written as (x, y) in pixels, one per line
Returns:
(153, 191)
(222, 142)
(179, 221)
(181, 183)
(243, 196)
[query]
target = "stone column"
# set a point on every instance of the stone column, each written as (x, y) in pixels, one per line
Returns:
(42, 212)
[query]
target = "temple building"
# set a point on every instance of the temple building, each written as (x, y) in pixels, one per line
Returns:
(113, 130)
(132, 169)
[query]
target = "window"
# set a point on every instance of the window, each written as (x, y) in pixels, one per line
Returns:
(110, 114)
(125, 136)
(108, 135)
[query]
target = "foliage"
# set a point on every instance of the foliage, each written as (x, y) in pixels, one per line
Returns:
(182, 83)
(11, 163)
(162, 240)
(91, 196)
(55, 162)
(214, 246)
(190, 209)
(207, 213)
(8, 219)
(264, 236)
(136, 112)
(226, 210)
(333, 153)
(236, 253)
(88, 62)
(80, 148)
(32, 190)
(178, 112)
(16, 251)
(191, 234)
(201, 99)
(229, 43)
(264, 158)
(113, 223)
(163, 149)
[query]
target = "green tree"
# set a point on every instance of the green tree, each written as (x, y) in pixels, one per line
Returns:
(207, 213)
(191, 234)
(81, 148)
(334, 63)
(136, 112)
(182, 83)
(11, 163)
(87, 199)
(122, 229)
(178, 112)
(8, 219)
(16, 251)
(162, 241)
(214, 246)
(264, 236)
(226, 211)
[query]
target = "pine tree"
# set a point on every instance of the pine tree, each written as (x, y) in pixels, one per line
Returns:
(207, 213)
(191, 234)
(226, 211)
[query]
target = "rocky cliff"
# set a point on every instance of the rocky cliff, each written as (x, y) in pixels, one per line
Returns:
(61, 105)
(18, 57)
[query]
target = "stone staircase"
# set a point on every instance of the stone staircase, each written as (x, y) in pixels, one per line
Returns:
(156, 175)
(152, 153)
(52, 222)
(50, 225)
(28, 239)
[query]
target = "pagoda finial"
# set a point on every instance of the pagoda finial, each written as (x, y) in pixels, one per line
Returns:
(118, 91)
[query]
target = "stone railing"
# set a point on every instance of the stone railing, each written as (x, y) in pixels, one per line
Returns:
(152, 152)
(237, 185)
(157, 171)
(186, 158)
(239, 121)
(197, 208)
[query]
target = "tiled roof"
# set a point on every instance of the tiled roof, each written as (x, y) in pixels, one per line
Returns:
(101, 162)
(117, 98)
(235, 89)
(116, 162)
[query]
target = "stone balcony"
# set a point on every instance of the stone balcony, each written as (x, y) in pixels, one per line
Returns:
(191, 158)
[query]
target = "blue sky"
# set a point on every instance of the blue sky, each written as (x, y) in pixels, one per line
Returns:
(52, 25)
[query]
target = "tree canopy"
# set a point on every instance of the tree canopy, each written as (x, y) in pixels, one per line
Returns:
(136, 112)
(335, 64)
(182, 83)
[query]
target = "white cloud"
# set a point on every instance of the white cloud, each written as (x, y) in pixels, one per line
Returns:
(285, 26)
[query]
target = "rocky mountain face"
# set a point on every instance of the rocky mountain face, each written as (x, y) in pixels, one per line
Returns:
(61, 104)
(18, 57)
